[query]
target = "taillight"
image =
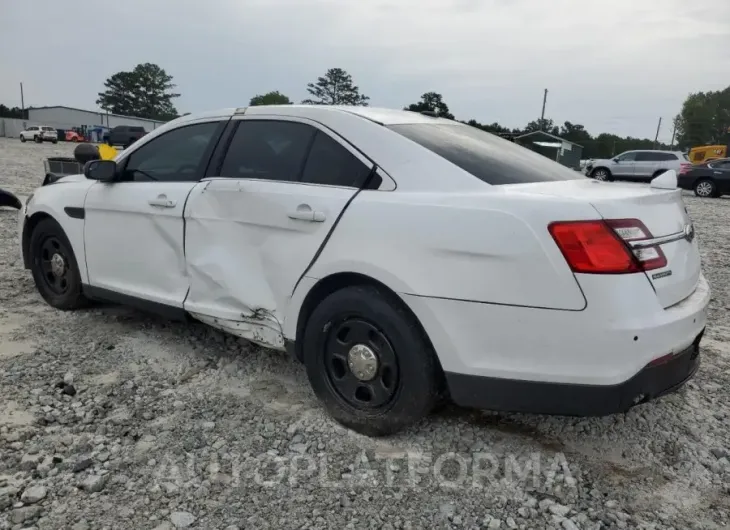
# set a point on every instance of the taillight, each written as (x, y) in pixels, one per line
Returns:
(684, 168)
(601, 247)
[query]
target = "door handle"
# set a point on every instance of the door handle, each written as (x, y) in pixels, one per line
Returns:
(162, 201)
(304, 212)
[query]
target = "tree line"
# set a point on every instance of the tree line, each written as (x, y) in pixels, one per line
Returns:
(147, 91)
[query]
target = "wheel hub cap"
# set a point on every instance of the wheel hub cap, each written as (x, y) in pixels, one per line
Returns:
(363, 362)
(58, 265)
(704, 189)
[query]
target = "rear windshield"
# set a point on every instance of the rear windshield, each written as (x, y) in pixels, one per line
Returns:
(492, 159)
(136, 129)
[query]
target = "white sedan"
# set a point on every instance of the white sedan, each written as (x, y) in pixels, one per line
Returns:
(401, 257)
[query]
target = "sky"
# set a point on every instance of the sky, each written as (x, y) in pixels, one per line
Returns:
(614, 66)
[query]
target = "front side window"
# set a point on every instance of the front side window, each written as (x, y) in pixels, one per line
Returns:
(268, 149)
(627, 157)
(330, 163)
(178, 155)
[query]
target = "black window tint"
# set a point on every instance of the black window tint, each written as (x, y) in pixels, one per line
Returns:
(175, 156)
(647, 156)
(136, 129)
(330, 163)
(669, 156)
(488, 157)
(273, 150)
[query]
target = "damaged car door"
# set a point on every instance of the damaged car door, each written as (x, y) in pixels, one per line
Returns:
(133, 232)
(255, 228)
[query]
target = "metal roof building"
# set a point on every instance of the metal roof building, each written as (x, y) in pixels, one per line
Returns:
(554, 147)
(62, 117)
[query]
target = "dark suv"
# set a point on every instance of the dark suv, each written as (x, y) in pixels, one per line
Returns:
(124, 135)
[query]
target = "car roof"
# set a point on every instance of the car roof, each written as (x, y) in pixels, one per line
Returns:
(383, 116)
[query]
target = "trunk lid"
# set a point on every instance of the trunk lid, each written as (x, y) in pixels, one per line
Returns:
(661, 210)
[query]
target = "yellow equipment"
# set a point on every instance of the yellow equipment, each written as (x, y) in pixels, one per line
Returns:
(107, 152)
(705, 153)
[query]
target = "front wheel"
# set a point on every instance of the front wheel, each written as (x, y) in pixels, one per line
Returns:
(22, 139)
(54, 267)
(705, 188)
(369, 361)
(601, 174)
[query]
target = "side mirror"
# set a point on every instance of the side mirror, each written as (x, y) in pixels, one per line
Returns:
(101, 170)
(617, 160)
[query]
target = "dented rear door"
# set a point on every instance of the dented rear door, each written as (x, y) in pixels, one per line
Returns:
(254, 229)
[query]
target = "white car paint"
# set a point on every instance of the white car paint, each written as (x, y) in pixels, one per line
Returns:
(475, 263)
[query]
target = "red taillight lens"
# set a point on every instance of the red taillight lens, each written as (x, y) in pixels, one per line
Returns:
(600, 247)
(684, 168)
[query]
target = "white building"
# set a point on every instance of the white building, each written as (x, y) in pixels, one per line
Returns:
(67, 118)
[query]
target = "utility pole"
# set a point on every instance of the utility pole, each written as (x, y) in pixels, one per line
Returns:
(674, 130)
(22, 100)
(656, 138)
(544, 100)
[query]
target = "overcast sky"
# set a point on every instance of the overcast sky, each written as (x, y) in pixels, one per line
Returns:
(611, 65)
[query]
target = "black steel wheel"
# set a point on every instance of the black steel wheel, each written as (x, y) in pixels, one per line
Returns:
(54, 266)
(360, 363)
(369, 361)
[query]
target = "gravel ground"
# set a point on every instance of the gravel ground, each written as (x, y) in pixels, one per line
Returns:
(112, 419)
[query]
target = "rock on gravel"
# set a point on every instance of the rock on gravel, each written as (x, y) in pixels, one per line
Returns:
(128, 421)
(34, 494)
(182, 519)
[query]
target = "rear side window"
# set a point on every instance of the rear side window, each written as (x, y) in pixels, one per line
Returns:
(330, 163)
(272, 150)
(491, 159)
(648, 156)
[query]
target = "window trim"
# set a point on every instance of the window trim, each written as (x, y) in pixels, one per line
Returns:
(204, 162)
(387, 182)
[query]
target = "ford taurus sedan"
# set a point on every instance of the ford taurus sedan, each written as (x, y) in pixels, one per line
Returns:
(403, 258)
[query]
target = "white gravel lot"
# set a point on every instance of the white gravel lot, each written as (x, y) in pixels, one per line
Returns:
(184, 427)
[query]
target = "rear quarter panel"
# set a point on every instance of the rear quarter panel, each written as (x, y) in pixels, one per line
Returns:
(489, 247)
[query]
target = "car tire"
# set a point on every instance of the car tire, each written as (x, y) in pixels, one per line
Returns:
(37, 139)
(22, 139)
(705, 188)
(602, 174)
(369, 361)
(54, 267)
(54, 141)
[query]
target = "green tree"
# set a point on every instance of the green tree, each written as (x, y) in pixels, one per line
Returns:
(144, 92)
(433, 102)
(704, 119)
(270, 98)
(335, 88)
(575, 132)
(542, 124)
(13, 112)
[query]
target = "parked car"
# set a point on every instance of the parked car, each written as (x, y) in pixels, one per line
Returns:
(711, 179)
(124, 135)
(637, 166)
(400, 257)
(39, 134)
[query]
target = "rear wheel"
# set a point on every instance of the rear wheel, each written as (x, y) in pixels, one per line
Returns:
(705, 188)
(38, 139)
(54, 267)
(369, 362)
(601, 174)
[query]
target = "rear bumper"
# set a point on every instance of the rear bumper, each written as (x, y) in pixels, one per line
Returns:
(575, 399)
